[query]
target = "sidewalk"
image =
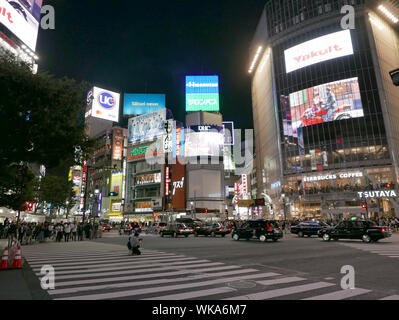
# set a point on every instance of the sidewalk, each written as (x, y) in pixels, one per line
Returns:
(20, 284)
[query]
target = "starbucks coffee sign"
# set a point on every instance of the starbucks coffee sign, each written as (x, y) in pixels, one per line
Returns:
(378, 194)
(343, 175)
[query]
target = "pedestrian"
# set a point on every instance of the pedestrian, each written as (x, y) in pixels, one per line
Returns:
(12, 232)
(21, 232)
(28, 238)
(60, 231)
(80, 231)
(67, 232)
(135, 242)
(73, 231)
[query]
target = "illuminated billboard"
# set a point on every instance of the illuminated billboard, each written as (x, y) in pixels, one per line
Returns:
(22, 18)
(105, 104)
(328, 102)
(200, 141)
(136, 104)
(331, 46)
(147, 126)
(117, 148)
(202, 93)
(116, 183)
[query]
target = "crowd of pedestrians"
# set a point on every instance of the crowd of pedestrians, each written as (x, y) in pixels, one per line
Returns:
(27, 233)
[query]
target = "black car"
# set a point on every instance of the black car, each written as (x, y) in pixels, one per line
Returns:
(259, 229)
(307, 228)
(211, 229)
(365, 230)
(177, 229)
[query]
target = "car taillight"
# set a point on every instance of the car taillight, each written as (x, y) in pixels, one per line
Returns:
(269, 229)
(191, 229)
(384, 230)
(221, 229)
(229, 229)
(181, 229)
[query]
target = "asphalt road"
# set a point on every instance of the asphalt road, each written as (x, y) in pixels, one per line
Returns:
(302, 257)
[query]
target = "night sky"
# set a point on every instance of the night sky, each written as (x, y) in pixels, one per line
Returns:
(149, 46)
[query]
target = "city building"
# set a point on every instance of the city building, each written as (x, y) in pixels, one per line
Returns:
(325, 109)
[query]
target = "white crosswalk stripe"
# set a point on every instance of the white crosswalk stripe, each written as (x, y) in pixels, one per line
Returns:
(387, 250)
(95, 271)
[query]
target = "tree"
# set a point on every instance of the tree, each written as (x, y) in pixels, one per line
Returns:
(57, 191)
(41, 118)
(17, 185)
(41, 121)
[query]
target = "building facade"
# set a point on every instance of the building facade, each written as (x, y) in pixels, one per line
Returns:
(325, 109)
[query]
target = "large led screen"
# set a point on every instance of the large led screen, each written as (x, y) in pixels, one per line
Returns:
(325, 103)
(147, 126)
(202, 93)
(22, 18)
(330, 46)
(203, 144)
(136, 104)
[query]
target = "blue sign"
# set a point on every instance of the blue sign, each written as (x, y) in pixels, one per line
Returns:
(202, 84)
(135, 104)
(106, 100)
(202, 93)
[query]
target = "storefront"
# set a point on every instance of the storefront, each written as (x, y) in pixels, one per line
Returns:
(339, 194)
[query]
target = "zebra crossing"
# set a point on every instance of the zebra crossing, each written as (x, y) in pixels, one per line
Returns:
(389, 250)
(99, 271)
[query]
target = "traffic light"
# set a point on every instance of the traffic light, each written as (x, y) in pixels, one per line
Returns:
(388, 185)
(364, 207)
(113, 194)
(206, 211)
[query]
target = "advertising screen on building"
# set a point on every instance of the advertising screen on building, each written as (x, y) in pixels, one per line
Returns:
(203, 143)
(117, 147)
(151, 178)
(116, 183)
(136, 104)
(327, 102)
(22, 18)
(105, 104)
(202, 93)
(331, 46)
(147, 126)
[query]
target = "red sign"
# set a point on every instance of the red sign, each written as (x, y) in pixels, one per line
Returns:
(167, 180)
(118, 144)
(178, 186)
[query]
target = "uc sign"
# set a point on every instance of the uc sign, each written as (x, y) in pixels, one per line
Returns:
(106, 100)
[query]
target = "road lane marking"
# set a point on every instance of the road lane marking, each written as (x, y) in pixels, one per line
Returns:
(113, 264)
(193, 294)
(394, 297)
(144, 276)
(340, 295)
(133, 272)
(282, 292)
(130, 266)
(149, 282)
(280, 281)
(136, 292)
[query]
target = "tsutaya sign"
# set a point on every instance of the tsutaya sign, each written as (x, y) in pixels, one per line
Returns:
(334, 176)
(330, 46)
(378, 194)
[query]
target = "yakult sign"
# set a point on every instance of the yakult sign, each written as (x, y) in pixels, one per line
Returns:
(331, 46)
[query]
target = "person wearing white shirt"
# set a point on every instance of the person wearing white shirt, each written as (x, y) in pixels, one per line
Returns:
(67, 232)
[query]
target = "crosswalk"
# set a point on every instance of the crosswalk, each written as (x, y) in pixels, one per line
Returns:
(98, 271)
(389, 250)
